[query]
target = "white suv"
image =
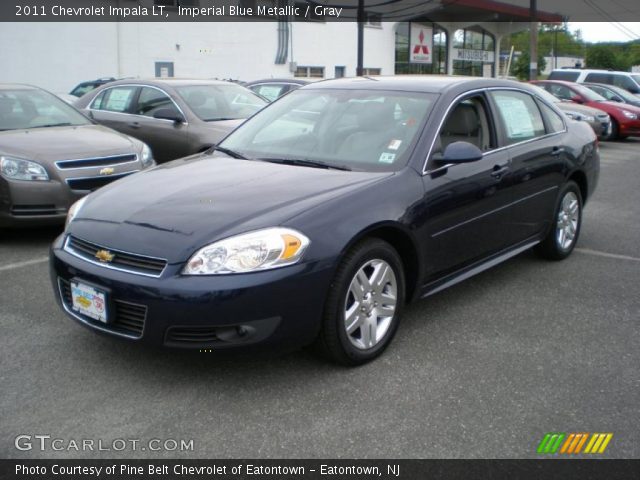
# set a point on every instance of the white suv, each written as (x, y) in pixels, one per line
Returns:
(626, 80)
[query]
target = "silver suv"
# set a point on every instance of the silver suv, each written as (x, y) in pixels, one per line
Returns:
(626, 80)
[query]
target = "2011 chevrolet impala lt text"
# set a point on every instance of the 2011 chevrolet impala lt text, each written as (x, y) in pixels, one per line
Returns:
(321, 216)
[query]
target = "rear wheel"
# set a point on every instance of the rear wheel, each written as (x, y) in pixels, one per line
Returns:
(563, 235)
(364, 304)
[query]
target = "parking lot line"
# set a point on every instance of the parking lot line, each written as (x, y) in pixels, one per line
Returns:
(13, 266)
(598, 253)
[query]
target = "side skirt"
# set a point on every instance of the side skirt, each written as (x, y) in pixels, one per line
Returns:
(474, 269)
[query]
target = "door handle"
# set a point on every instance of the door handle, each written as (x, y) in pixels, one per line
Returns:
(499, 170)
(134, 125)
(557, 151)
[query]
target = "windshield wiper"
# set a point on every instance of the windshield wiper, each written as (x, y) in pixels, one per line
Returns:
(62, 124)
(231, 153)
(306, 163)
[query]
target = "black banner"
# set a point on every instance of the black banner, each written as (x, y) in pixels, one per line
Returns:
(320, 469)
(370, 11)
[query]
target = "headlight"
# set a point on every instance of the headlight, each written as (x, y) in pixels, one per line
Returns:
(629, 115)
(249, 252)
(146, 156)
(20, 169)
(73, 211)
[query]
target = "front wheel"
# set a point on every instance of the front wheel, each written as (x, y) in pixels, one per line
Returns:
(565, 229)
(364, 304)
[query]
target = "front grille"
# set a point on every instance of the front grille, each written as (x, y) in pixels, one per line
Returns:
(126, 317)
(129, 262)
(96, 162)
(93, 183)
(34, 210)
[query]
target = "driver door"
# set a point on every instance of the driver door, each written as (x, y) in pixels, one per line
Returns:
(467, 203)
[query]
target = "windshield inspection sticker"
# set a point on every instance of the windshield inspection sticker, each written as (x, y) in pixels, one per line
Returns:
(394, 144)
(387, 157)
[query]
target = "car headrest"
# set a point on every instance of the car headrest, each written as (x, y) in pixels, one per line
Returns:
(376, 116)
(197, 99)
(463, 121)
(6, 105)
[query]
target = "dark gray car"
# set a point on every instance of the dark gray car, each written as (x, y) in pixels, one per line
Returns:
(174, 117)
(51, 155)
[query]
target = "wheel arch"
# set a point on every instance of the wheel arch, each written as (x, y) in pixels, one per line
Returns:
(580, 178)
(404, 244)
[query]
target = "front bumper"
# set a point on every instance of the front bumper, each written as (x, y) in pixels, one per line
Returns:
(24, 203)
(277, 308)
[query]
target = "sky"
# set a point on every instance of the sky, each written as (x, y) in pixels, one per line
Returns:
(607, 31)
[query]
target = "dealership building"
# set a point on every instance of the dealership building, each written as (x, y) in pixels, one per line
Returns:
(441, 37)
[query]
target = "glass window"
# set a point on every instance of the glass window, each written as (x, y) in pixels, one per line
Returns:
(555, 122)
(564, 75)
(599, 78)
(117, 99)
(473, 52)
(372, 71)
(271, 91)
(151, 100)
(521, 118)
(467, 122)
(35, 109)
(363, 130)
(221, 102)
(623, 81)
(309, 72)
(438, 53)
(83, 88)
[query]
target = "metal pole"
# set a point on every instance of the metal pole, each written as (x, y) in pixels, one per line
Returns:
(533, 45)
(361, 20)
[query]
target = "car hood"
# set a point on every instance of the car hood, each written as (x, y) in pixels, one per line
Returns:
(174, 209)
(615, 107)
(582, 109)
(61, 143)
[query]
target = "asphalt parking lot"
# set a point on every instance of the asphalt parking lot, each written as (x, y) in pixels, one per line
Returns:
(483, 370)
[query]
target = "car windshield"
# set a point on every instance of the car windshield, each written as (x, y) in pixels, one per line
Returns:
(546, 95)
(621, 92)
(31, 108)
(636, 78)
(589, 94)
(221, 102)
(369, 130)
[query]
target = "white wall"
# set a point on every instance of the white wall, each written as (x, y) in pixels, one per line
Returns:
(57, 56)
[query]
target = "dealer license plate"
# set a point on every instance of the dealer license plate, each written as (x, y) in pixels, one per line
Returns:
(89, 301)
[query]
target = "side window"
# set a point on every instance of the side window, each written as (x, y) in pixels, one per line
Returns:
(599, 78)
(117, 99)
(468, 122)
(97, 102)
(623, 82)
(151, 100)
(554, 121)
(520, 115)
(270, 92)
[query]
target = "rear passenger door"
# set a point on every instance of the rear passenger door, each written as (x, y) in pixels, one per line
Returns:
(533, 134)
(112, 107)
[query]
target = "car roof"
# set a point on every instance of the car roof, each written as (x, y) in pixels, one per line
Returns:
(169, 82)
(297, 81)
(412, 83)
(17, 86)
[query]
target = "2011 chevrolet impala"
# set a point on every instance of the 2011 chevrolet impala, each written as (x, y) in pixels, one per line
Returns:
(319, 218)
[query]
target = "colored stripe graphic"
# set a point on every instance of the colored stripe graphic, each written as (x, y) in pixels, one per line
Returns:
(598, 442)
(573, 443)
(551, 442)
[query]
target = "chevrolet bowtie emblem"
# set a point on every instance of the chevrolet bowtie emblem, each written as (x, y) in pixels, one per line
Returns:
(107, 171)
(105, 256)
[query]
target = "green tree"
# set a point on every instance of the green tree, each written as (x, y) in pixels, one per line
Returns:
(521, 66)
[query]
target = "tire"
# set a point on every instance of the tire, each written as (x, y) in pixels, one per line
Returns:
(374, 322)
(565, 224)
(615, 130)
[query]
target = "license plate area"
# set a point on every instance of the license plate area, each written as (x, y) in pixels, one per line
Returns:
(89, 301)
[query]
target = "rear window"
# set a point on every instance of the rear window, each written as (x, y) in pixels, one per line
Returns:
(564, 75)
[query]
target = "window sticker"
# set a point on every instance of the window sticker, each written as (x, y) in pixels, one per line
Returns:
(516, 117)
(394, 144)
(387, 157)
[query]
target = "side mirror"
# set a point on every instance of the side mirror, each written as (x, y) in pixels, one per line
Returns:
(460, 152)
(578, 99)
(169, 114)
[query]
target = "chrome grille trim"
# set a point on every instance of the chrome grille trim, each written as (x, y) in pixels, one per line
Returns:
(110, 161)
(84, 255)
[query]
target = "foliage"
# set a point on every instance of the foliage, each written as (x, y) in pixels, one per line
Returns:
(520, 68)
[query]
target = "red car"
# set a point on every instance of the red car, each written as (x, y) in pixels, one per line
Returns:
(625, 119)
